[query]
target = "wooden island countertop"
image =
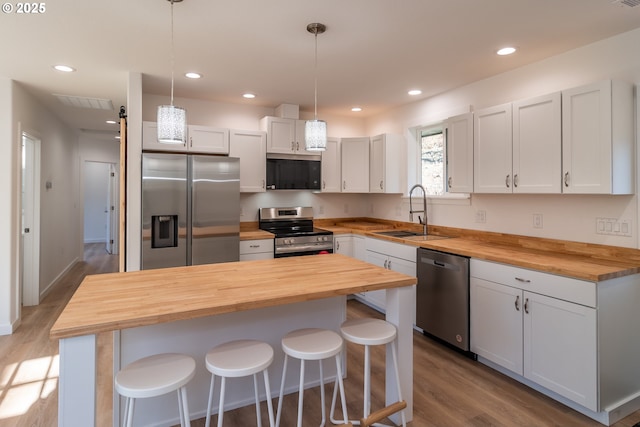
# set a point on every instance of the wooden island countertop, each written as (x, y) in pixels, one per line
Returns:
(109, 302)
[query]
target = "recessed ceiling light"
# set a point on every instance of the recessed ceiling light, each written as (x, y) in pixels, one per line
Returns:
(356, 109)
(506, 51)
(111, 122)
(193, 75)
(414, 92)
(64, 68)
(248, 95)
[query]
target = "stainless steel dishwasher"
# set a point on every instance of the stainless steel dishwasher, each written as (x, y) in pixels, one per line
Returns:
(442, 297)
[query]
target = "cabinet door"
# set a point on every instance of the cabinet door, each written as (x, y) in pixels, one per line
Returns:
(492, 150)
(343, 245)
(537, 145)
(250, 147)
(459, 152)
(355, 165)
(496, 323)
(203, 139)
(377, 164)
(359, 248)
(560, 350)
(377, 298)
(331, 167)
(281, 134)
(150, 139)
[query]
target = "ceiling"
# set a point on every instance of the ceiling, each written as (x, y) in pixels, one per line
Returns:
(372, 53)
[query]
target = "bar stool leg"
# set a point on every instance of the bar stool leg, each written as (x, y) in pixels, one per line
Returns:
(184, 403)
(284, 375)
(209, 404)
(255, 392)
(367, 382)
(343, 398)
(221, 404)
(180, 408)
(269, 402)
(395, 365)
(301, 393)
(128, 411)
(322, 403)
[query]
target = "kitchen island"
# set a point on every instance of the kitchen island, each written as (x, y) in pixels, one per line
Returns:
(190, 309)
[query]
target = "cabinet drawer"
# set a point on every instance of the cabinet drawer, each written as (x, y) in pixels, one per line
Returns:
(256, 246)
(565, 288)
(398, 250)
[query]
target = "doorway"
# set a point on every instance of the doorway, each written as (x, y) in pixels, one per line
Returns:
(100, 205)
(30, 221)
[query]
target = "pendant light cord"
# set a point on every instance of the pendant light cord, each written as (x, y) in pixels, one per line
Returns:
(172, 54)
(315, 98)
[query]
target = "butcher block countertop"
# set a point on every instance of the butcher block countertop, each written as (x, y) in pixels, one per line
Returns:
(584, 261)
(108, 302)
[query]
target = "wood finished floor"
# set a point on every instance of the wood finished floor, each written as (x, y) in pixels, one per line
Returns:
(449, 389)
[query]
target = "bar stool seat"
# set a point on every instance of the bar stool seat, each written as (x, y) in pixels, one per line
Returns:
(236, 359)
(369, 332)
(154, 376)
(312, 344)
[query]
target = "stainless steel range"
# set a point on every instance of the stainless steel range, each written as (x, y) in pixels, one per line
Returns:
(294, 231)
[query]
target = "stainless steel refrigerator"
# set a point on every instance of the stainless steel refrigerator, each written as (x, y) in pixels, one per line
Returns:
(190, 210)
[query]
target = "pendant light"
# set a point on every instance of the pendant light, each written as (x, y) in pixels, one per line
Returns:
(172, 120)
(315, 131)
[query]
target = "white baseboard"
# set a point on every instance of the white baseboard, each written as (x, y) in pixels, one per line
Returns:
(96, 240)
(9, 328)
(55, 281)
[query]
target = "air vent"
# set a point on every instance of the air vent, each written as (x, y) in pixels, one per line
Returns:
(628, 3)
(82, 102)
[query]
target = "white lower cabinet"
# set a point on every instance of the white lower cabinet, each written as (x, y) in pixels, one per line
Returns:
(392, 256)
(256, 249)
(343, 244)
(544, 338)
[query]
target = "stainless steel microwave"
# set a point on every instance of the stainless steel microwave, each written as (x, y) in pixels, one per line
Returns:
(293, 174)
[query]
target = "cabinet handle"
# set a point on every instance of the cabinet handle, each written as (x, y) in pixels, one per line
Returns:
(518, 303)
(381, 187)
(506, 181)
(389, 265)
(515, 180)
(263, 183)
(344, 185)
(190, 141)
(293, 146)
(520, 279)
(297, 146)
(254, 246)
(337, 246)
(526, 305)
(449, 182)
(385, 263)
(566, 179)
(324, 185)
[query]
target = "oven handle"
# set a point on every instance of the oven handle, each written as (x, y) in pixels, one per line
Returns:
(302, 248)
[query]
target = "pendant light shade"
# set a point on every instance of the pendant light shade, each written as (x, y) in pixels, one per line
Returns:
(315, 131)
(172, 120)
(315, 135)
(172, 124)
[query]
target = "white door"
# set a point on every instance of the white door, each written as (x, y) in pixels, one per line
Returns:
(30, 223)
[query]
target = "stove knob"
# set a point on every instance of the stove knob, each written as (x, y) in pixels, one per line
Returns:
(287, 241)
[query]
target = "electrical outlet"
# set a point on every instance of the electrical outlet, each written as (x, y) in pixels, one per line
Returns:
(481, 216)
(321, 210)
(346, 208)
(537, 220)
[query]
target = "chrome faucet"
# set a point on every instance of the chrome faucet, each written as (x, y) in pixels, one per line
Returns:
(424, 208)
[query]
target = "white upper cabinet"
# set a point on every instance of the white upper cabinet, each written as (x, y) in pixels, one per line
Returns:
(285, 136)
(250, 147)
(203, 139)
(200, 139)
(387, 166)
(355, 164)
(598, 139)
(492, 150)
(537, 145)
(459, 151)
(331, 167)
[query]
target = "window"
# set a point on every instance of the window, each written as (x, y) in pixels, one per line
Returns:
(432, 161)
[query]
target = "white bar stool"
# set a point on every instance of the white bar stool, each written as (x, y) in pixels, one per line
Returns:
(154, 376)
(236, 359)
(369, 332)
(312, 344)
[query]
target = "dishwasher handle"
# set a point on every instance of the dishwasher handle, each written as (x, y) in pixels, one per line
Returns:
(439, 264)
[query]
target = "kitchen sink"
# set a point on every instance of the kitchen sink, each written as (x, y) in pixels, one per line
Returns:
(410, 235)
(398, 233)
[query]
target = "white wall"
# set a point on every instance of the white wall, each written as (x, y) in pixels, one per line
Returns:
(60, 221)
(568, 217)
